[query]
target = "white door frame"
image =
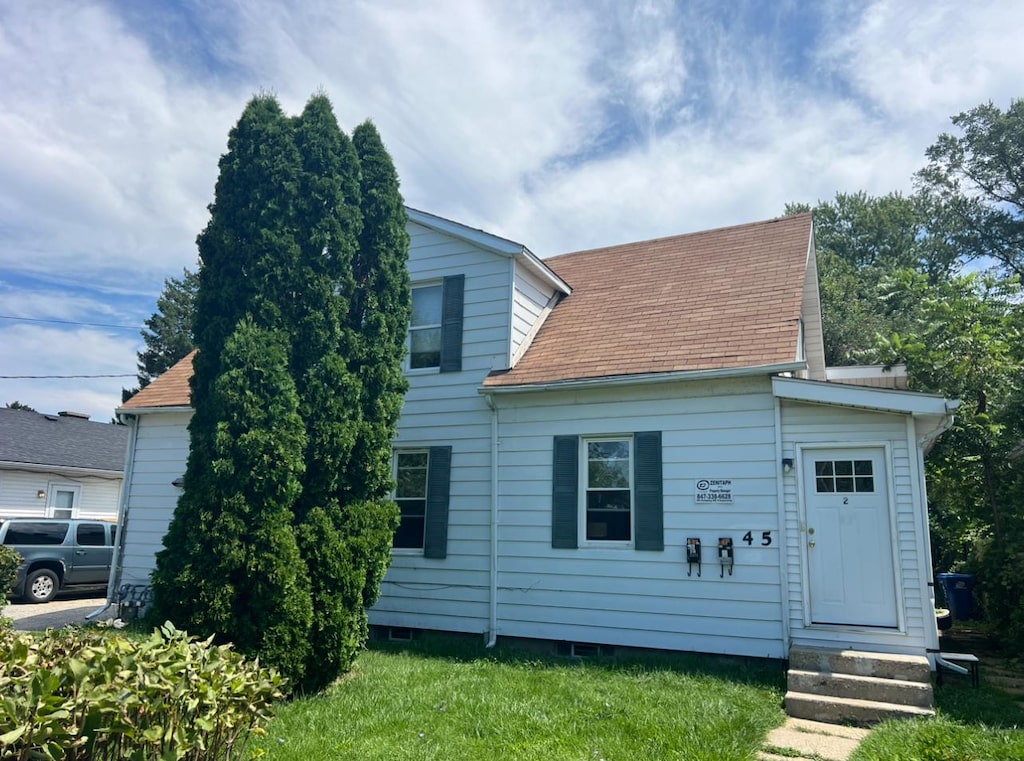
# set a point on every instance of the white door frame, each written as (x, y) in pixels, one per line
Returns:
(801, 449)
(51, 490)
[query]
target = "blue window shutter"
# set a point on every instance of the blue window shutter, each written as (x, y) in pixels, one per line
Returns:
(649, 519)
(435, 533)
(565, 504)
(452, 293)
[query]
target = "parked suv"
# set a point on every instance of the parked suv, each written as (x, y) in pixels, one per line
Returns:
(59, 554)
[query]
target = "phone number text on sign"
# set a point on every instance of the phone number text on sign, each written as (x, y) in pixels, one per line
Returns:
(714, 490)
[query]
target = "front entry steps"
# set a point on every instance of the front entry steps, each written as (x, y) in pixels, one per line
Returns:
(856, 687)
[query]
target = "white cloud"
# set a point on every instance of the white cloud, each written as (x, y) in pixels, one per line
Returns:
(36, 350)
(561, 125)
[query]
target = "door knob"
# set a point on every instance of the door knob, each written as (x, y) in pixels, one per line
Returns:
(811, 544)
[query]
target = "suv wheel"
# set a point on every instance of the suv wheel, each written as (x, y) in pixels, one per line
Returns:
(41, 585)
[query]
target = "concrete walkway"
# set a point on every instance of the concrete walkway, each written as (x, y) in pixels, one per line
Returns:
(811, 739)
(55, 614)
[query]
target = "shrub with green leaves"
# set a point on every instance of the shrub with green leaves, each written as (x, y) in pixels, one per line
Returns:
(9, 562)
(81, 694)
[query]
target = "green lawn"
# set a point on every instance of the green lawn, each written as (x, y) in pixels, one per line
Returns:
(973, 724)
(445, 698)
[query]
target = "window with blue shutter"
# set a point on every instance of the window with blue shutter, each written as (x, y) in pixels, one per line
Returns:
(435, 329)
(422, 490)
(608, 489)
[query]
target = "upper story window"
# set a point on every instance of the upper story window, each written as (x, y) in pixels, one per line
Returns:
(435, 330)
(425, 327)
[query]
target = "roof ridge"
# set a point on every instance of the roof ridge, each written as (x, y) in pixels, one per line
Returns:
(678, 236)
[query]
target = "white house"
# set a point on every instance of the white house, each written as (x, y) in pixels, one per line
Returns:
(578, 428)
(59, 466)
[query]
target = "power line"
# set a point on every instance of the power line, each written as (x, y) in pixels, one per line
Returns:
(70, 322)
(35, 377)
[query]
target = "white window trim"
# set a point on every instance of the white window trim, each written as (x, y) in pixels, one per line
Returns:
(409, 369)
(416, 551)
(51, 492)
(612, 544)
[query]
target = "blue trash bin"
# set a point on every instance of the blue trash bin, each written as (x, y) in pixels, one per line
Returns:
(959, 591)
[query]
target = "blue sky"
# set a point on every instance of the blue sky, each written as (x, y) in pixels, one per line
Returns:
(562, 125)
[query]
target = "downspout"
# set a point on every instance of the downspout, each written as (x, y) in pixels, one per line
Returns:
(780, 495)
(122, 517)
(924, 443)
(492, 622)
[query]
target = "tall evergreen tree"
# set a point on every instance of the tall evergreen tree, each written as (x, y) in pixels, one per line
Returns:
(168, 332)
(231, 541)
(296, 435)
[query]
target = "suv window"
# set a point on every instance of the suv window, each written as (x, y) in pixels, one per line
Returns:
(91, 535)
(36, 533)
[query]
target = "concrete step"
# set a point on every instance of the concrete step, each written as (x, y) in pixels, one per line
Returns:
(897, 691)
(909, 668)
(834, 710)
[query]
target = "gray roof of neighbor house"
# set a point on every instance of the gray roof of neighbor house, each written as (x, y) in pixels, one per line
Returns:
(64, 440)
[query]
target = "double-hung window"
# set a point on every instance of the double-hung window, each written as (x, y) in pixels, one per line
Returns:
(422, 486)
(606, 491)
(608, 516)
(435, 330)
(411, 495)
(425, 327)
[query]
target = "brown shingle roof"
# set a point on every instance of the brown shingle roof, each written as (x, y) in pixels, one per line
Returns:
(169, 390)
(725, 298)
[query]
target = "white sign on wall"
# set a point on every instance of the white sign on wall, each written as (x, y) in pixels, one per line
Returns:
(714, 490)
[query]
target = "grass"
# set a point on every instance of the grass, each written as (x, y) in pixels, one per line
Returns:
(445, 698)
(972, 724)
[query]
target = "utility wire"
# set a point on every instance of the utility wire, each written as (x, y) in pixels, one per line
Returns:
(70, 322)
(27, 377)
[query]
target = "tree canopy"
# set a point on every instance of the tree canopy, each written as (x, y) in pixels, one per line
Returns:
(932, 280)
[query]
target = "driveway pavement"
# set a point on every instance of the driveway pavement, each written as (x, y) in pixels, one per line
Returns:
(55, 614)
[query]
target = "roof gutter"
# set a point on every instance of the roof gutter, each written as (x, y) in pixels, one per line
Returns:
(125, 413)
(36, 467)
(648, 379)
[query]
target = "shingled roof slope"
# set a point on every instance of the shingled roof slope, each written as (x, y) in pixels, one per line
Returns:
(36, 439)
(169, 390)
(725, 298)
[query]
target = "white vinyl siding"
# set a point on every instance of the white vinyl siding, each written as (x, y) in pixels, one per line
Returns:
(809, 424)
(445, 408)
(161, 449)
(629, 597)
(530, 298)
(97, 497)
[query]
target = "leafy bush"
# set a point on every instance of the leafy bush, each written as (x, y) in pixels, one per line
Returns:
(9, 562)
(87, 694)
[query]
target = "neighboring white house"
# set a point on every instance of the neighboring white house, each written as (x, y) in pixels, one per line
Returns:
(59, 466)
(576, 427)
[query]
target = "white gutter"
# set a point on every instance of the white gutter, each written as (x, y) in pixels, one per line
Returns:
(122, 513)
(124, 414)
(35, 467)
(648, 379)
(926, 441)
(492, 618)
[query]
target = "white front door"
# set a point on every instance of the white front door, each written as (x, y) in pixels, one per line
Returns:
(849, 541)
(62, 500)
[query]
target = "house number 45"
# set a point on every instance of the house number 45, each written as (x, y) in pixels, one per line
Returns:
(766, 538)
